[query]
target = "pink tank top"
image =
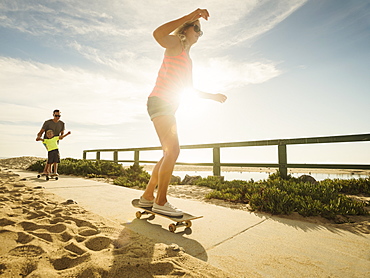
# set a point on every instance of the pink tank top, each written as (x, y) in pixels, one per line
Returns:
(174, 76)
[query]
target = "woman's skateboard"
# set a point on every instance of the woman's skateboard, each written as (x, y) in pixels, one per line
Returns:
(184, 220)
(48, 177)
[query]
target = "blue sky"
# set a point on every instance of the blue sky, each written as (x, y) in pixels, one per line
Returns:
(289, 68)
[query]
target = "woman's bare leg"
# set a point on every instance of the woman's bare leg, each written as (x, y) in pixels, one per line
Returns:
(153, 182)
(167, 132)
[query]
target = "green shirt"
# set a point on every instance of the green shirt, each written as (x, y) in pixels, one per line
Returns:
(51, 144)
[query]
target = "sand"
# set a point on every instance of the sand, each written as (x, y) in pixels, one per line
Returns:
(42, 235)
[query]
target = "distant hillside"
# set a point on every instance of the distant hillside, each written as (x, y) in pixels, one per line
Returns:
(19, 162)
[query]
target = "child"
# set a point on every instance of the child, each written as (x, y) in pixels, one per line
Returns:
(53, 151)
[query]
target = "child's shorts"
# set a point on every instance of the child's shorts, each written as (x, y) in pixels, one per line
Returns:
(159, 107)
(53, 156)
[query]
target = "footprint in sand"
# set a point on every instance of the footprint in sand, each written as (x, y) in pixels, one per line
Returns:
(6, 222)
(110, 231)
(26, 251)
(69, 261)
(80, 222)
(98, 243)
(87, 231)
(42, 235)
(24, 238)
(74, 248)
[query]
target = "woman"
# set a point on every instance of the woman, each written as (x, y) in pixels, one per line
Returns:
(174, 76)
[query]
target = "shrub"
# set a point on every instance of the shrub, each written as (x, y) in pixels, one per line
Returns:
(130, 177)
(81, 167)
(272, 200)
(38, 166)
(352, 186)
(284, 196)
(134, 176)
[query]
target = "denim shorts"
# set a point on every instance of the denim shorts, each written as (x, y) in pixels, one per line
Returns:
(159, 107)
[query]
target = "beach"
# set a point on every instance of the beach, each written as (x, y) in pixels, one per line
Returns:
(43, 235)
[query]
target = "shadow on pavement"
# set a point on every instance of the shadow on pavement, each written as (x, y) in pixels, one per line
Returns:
(162, 235)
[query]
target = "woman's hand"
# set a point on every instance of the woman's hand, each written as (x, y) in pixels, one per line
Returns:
(216, 97)
(198, 13)
(219, 97)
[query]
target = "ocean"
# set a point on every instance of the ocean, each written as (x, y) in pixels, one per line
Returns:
(257, 176)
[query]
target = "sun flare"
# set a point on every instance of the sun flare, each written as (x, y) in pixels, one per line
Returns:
(190, 105)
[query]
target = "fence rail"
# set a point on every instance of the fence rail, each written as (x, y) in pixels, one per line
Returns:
(282, 144)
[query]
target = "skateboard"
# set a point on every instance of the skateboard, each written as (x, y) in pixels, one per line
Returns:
(48, 177)
(184, 220)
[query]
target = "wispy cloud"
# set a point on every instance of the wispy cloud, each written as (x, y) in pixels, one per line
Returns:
(223, 74)
(93, 97)
(68, 18)
(243, 21)
(100, 31)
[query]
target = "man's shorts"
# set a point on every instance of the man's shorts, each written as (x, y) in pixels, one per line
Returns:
(159, 107)
(53, 156)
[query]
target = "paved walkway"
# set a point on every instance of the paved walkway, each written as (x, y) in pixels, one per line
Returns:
(242, 243)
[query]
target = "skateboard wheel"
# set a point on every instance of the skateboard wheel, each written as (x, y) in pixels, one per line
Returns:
(47, 178)
(172, 228)
(188, 223)
(56, 178)
(38, 176)
(138, 214)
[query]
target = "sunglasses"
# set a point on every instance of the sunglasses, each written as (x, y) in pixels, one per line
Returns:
(57, 116)
(197, 29)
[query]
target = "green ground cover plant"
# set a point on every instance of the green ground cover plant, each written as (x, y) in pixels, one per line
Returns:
(134, 176)
(129, 177)
(81, 167)
(283, 196)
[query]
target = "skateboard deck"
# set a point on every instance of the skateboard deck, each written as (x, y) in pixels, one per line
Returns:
(48, 177)
(184, 220)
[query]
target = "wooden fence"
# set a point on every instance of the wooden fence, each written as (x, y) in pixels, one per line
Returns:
(281, 144)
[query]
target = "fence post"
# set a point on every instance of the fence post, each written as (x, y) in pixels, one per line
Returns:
(84, 155)
(115, 156)
(136, 158)
(283, 160)
(216, 162)
(97, 156)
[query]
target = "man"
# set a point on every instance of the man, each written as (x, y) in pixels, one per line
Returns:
(56, 125)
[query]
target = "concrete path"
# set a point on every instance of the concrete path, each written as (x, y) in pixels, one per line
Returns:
(242, 243)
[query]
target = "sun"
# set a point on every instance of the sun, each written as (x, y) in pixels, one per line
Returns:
(190, 106)
(196, 115)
